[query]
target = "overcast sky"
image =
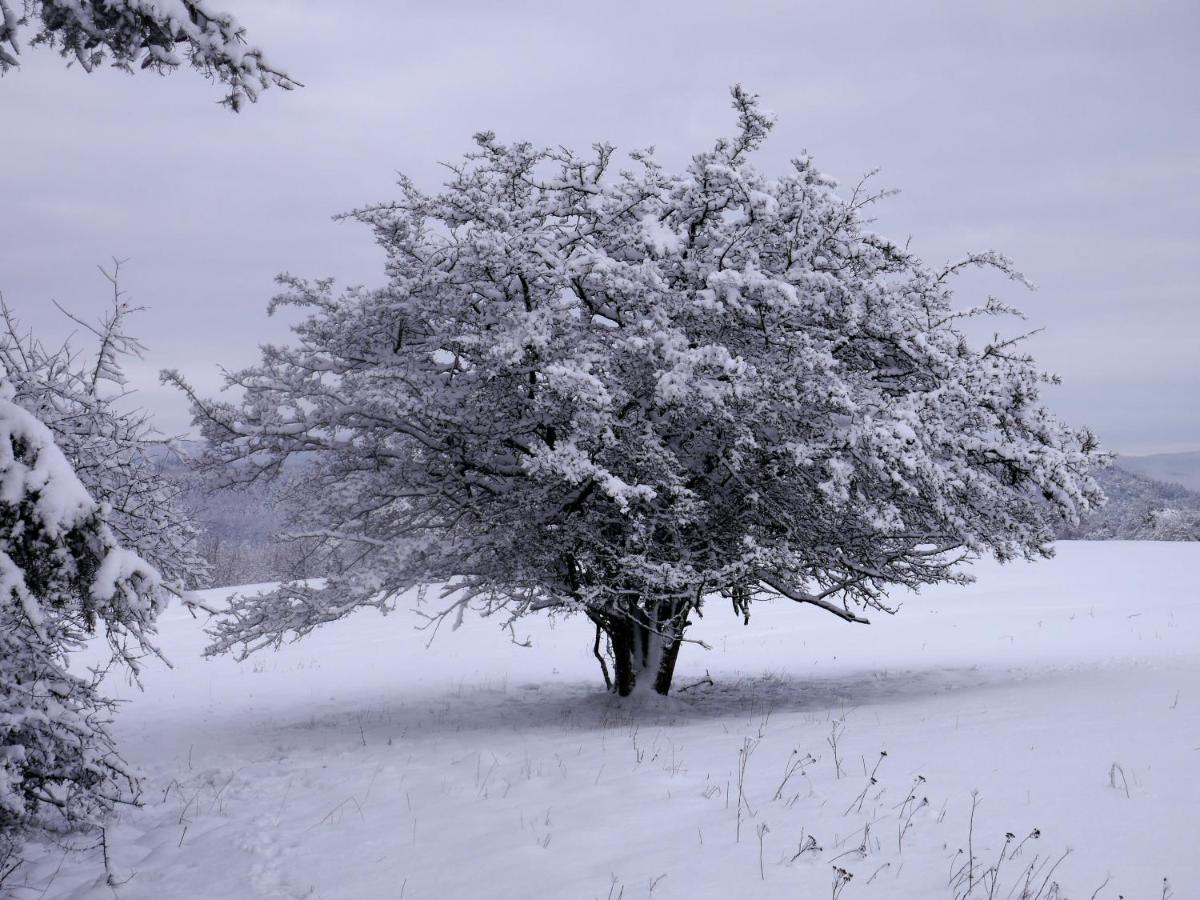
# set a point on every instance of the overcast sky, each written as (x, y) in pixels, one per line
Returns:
(1064, 134)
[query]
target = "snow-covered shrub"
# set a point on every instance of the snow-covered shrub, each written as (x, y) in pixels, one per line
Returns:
(618, 393)
(63, 578)
(112, 446)
(144, 34)
(82, 478)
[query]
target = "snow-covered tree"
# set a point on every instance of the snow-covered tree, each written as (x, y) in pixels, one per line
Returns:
(622, 393)
(83, 399)
(143, 34)
(63, 577)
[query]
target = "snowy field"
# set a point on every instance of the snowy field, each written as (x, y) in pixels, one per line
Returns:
(1065, 696)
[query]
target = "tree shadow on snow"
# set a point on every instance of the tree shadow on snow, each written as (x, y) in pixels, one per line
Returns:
(585, 706)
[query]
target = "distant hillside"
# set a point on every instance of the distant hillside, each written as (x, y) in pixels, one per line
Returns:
(239, 527)
(1177, 468)
(1140, 508)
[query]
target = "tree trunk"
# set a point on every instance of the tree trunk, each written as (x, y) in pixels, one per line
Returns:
(645, 646)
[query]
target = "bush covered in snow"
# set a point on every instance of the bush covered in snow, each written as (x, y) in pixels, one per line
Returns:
(617, 392)
(118, 456)
(81, 480)
(63, 578)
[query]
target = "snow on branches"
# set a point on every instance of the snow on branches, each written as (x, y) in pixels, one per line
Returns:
(619, 392)
(94, 541)
(62, 572)
(113, 448)
(146, 34)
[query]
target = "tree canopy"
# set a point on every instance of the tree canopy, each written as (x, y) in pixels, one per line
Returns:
(619, 392)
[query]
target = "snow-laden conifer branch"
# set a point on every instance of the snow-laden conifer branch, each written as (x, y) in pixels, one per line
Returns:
(618, 391)
(143, 34)
(63, 578)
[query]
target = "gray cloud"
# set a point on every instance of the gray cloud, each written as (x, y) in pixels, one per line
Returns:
(1063, 134)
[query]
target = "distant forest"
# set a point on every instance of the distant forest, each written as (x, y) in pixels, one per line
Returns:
(1140, 509)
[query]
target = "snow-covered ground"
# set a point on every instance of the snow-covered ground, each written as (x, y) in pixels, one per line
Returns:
(359, 763)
